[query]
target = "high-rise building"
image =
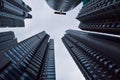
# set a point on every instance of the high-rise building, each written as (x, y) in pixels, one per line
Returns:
(97, 55)
(7, 40)
(49, 64)
(31, 59)
(62, 5)
(13, 13)
(100, 16)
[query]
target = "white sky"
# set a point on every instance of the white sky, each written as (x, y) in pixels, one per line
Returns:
(55, 25)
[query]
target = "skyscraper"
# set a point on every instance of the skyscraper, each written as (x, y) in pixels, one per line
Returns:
(49, 64)
(100, 16)
(13, 13)
(97, 55)
(63, 5)
(7, 40)
(31, 59)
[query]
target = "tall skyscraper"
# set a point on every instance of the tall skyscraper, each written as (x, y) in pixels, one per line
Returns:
(97, 55)
(31, 59)
(100, 16)
(7, 40)
(48, 70)
(13, 13)
(62, 5)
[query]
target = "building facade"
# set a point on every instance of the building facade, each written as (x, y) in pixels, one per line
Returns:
(96, 55)
(13, 13)
(100, 16)
(63, 5)
(31, 59)
(7, 40)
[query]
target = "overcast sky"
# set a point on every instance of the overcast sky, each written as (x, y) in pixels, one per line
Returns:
(55, 25)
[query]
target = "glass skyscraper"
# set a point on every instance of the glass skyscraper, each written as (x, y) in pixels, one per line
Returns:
(31, 59)
(63, 5)
(96, 55)
(100, 16)
(95, 52)
(7, 40)
(13, 13)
